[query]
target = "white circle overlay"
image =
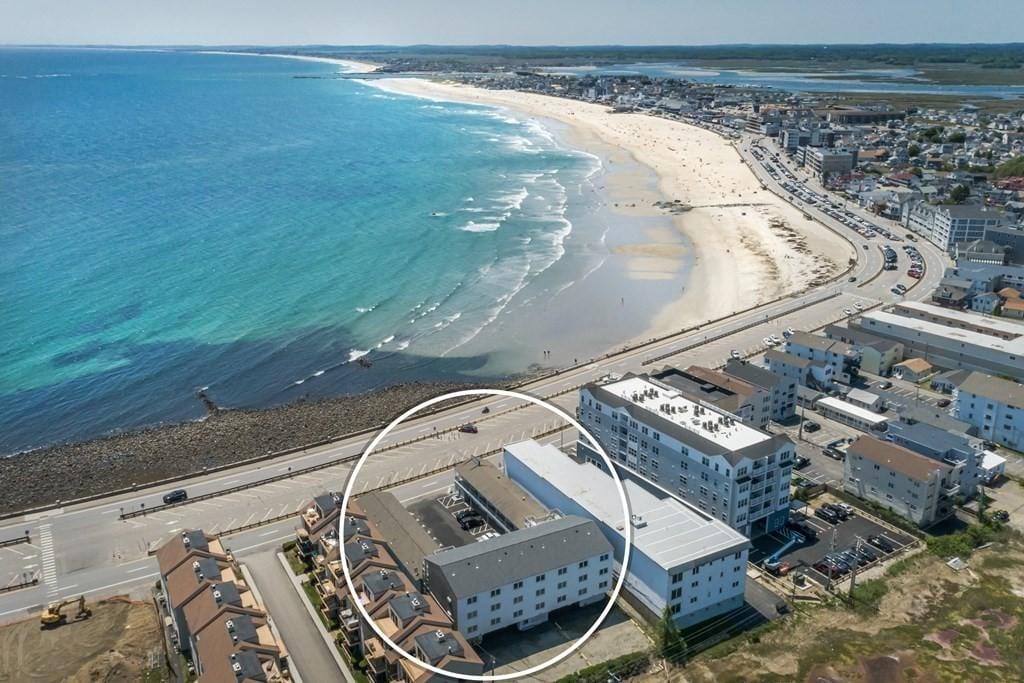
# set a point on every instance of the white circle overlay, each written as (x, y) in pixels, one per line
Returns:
(627, 527)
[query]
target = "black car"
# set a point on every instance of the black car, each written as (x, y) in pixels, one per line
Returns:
(866, 552)
(802, 528)
(178, 496)
(811, 426)
(466, 514)
(942, 402)
(802, 461)
(1001, 516)
(827, 515)
(468, 428)
(471, 523)
(882, 543)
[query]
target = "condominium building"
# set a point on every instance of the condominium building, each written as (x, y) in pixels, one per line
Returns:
(877, 354)
(486, 489)
(995, 406)
(217, 620)
(956, 450)
(781, 390)
(518, 578)
(691, 450)
(911, 485)
(951, 339)
(681, 558)
(393, 599)
(824, 162)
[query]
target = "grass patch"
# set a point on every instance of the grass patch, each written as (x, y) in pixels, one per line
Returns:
(963, 543)
(318, 603)
(866, 596)
(298, 564)
(625, 666)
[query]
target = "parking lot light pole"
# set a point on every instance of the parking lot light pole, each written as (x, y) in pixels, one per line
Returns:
(856, 562)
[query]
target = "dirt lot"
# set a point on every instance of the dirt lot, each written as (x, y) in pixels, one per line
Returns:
(931, 624)
(120, 643)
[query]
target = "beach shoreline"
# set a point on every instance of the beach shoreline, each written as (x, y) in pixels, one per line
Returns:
(351, 65)
(746, 245)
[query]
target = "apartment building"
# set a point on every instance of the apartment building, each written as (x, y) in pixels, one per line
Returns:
(319, 517)
(691, 450)
(781, 390)
(956, 450)
(217, 621)
(877, 354)
(843, 358)
(681, 558)
(949, 224)
(949, 339)
(824, 162)
(750, 403)
(995, 406)
(518, 578)
(911, 485)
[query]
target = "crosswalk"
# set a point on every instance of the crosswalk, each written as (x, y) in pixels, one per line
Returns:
(49, 561)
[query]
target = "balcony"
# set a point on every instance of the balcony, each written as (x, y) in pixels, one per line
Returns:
(376, 664)
(949, 490)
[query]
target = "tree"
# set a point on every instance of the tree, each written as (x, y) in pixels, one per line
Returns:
(959, 194)
(916, 171)
(914, 150)
(668, 639)
(956, 137)
(1011, 168)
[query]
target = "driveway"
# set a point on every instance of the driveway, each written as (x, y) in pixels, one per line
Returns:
(308, 652)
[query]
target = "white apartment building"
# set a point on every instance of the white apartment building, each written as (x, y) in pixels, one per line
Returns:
(911, 485)
(950, 224)
(951, 339)
(698, 453)
(995, 406)
(681, 557)
(518, 578)
(781, 390)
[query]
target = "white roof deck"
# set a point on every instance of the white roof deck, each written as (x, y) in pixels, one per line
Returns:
(704, 420)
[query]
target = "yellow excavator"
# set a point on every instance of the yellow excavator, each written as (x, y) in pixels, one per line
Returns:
(54, 614)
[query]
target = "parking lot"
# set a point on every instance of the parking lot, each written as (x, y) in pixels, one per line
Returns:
(831, 537)
(437, 515)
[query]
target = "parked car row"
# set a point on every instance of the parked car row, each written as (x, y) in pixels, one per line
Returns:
(834, 513)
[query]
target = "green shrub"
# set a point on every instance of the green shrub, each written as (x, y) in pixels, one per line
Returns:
(625, 666)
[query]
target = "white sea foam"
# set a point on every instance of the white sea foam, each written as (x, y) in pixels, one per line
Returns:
(318, 373)
(473, 226)
(403, 345)
(356, 354)
(365, 309)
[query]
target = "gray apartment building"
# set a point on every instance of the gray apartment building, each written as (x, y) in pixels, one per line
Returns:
(750, 403)
(877, 354)
(690, 449)
(995, 406)
(912, 485)
(843, 358)
(956, 450)
(520, 577)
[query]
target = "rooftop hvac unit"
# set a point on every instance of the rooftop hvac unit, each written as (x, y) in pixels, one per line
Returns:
(414, 601)
(439, 634)
(230, 623)
(217, 595)
(195, 565)
(236, 667)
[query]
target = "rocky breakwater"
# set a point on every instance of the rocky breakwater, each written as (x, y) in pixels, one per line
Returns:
(70, 471)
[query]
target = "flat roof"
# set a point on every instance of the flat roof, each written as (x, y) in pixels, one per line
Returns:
(505, 495)
(674, 533)
(851, 410)
(403, 534)
(862, 396)
(669, 404)
(1000, 325)
(966, 336)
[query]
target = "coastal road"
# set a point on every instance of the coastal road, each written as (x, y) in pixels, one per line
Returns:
(87, 548)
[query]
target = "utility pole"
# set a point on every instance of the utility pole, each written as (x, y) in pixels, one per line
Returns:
(832, 549)
(856, 563)
(803, 415)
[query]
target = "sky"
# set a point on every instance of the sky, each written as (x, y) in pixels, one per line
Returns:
(520, 22)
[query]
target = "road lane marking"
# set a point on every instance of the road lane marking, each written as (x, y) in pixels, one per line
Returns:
(137, 569)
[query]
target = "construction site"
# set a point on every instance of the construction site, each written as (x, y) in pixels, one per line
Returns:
(114, 640)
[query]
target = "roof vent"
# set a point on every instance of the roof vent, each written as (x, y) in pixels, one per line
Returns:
(195, 566)
(217, 596)
(439, 634)
(236, 667)
(230, 623)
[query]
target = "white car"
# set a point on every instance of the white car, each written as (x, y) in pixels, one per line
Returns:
(788, 332)
(859, 306)
(734, 354)
(775, 339)
(847, 311)
(767, 341)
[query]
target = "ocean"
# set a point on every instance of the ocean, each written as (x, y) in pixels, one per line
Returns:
(262, 229)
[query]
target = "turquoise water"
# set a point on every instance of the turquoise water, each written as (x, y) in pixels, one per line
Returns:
(171, 221)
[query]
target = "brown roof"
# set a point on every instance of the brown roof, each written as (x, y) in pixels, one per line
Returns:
(723, 380)
(1009, 293)
(183, 582)
(174, 551)
(204, 606)
(215, 645)
(915, 364)
(897, 458)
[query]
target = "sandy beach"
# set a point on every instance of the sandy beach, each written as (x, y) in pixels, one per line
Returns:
(352, 66)
(749, 245)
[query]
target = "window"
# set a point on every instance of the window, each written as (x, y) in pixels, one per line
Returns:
(496, 592)
(471, 629)
(518, 613)
(604, 558)
(693, 599)
(583, 591)
(540, 592)
(471, 615)
(604, 570)
(495, 607)
(561, 599)
(495, 621)
(562, 584)
(517, 585)
(583, 564)
(676, 609)
(603, 584)
(540, 577)
(676, 578)
(470, 601)
(518, 599)
(676, 594)
(539, 606)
